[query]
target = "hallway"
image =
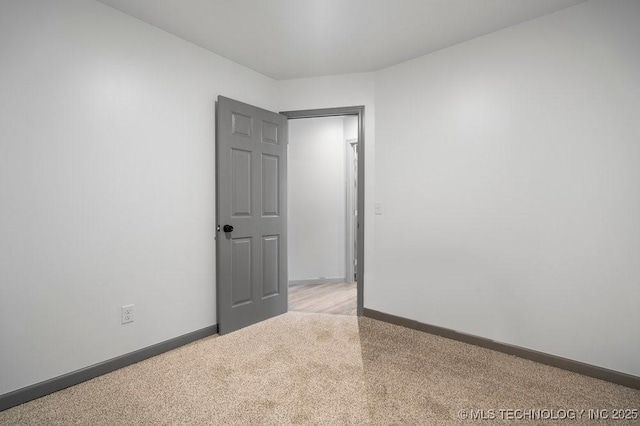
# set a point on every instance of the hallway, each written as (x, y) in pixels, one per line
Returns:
(328, 298)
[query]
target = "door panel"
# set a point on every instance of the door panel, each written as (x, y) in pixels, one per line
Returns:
(241, 182)
(270, 265)
(251, 197)
(241, 124)
(270, 185)
(270, 132)
(241, 282)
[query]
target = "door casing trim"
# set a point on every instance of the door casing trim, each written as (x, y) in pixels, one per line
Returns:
(359, 112)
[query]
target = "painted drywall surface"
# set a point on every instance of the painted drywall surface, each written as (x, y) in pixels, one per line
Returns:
(507, 167)
(108, 198)
(316, 198)
(350, 128)
(341, 91)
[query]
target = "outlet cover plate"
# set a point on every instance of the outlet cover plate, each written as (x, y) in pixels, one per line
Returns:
(127, 314)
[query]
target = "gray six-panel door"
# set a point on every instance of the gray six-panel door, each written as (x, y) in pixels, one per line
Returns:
(251, 149)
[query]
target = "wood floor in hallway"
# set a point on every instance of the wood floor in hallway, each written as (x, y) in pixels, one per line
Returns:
(332, 298)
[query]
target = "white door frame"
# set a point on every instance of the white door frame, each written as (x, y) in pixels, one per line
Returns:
(359, 112)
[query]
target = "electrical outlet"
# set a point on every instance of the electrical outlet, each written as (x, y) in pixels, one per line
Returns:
(127, 314)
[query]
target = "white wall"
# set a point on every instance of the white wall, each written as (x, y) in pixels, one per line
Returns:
(508, 171)
(350, 127)
(316, 199)
(107, 184)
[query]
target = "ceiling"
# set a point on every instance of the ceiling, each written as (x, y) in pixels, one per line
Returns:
(286, 39)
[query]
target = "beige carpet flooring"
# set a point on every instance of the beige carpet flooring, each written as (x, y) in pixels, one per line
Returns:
(302, 368)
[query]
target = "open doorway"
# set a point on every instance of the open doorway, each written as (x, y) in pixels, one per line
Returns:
(325, 195)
